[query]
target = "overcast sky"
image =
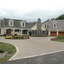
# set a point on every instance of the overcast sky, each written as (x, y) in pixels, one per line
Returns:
(30, 10)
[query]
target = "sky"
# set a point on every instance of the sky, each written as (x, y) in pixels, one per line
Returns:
(31, 10)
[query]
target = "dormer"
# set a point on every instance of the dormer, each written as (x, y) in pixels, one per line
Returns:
(23, 23)
(54, 24)
(11, 22)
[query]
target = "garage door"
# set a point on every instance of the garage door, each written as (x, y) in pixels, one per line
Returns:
(61, 33)
(53, 33)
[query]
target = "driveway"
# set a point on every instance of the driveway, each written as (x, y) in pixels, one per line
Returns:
(34, 46)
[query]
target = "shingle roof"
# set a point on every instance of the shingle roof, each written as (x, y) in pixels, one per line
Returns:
(1, 23)
(17, 23)
(30, 24)
(60, 24)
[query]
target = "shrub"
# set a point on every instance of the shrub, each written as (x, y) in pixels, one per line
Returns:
(15, 34)
(60, 37)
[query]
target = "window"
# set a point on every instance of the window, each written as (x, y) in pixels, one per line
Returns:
(24, 32)
(46, 26)
(33, 31)
(11, 22)
(17, 30)
(23, 23)
(43, 32)
(54, 24)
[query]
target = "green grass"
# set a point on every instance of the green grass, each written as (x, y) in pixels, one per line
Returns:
(59, 38)
(56, 39)
(9, 48)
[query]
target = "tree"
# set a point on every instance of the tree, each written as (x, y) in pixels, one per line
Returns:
(61, 17)
(52, 19)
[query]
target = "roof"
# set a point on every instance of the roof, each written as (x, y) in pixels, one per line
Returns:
(1, 23)
(60, 24)
(17, 23)
(30, 24)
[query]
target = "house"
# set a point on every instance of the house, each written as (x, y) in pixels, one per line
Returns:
(55, 27)
(38, 28)
(12, 26)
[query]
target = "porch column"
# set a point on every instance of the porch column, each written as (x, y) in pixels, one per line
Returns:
(13, 31)
(49, 32)
(21, 32)
(5, 31)
(57, 32)
(27, 32)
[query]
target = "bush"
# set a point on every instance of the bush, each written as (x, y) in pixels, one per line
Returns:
(60, 37)
(15, 34)
(4, 34)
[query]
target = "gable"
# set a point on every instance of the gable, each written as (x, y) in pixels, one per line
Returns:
(43, 27)
(34, 27)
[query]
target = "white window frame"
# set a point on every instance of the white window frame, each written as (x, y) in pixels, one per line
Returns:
(55, 23)
(22, 23)
(46, 26)
(11, 21)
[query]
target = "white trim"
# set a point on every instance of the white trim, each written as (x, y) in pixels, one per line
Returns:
(49, 32)
(57, 32)
(13, 57)
(22, 23)
(54, 23)
(46, 25)
(11, 21)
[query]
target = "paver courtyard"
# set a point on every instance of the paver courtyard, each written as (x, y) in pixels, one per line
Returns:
(34, 46)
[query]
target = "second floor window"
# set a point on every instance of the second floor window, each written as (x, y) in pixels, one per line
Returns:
(54, 24)
(23, 24)
(46, 26)
(11, 22)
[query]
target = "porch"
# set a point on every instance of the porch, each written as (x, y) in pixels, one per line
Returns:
(17, 31)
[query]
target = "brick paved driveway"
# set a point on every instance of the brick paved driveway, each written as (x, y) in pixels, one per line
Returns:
(34, 46)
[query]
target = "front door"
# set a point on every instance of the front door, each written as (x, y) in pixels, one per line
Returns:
(8, 31)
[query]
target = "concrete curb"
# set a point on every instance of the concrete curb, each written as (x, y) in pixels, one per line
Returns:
(34, 55)
(13, 57)
(41, 54)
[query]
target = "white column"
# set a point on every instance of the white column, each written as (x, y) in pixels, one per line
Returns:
(5, 31)
(57, 32)
(49, 32)
(27, 32)
(21, 32)
(13, 31)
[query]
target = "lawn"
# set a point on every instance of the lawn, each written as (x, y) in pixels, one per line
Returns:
(58, 38)
(9, 48)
